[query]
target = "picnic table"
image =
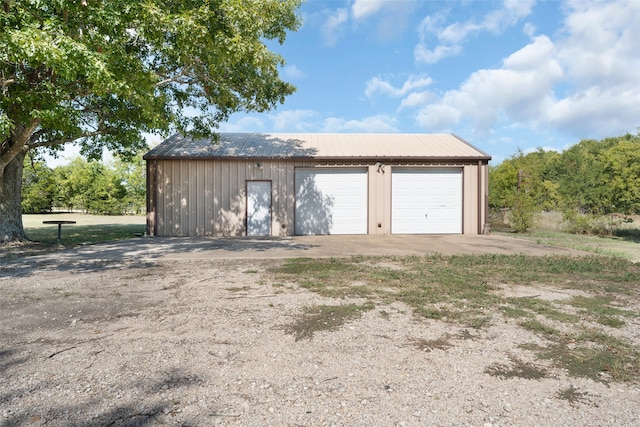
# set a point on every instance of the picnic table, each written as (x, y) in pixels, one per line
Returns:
(59, 223)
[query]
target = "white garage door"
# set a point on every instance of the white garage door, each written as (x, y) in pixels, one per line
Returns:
(331, 201)
(426, 201)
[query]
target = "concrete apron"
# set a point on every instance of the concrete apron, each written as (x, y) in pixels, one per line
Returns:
(187, 248)
(345, 246)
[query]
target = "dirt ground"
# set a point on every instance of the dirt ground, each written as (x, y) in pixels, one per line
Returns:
(199, 341)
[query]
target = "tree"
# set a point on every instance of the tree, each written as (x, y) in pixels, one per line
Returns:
(133, 176)
(581, 178)
(522, 185)
(102, 73)
(528, 172)
(107, 193)
(39, 187)
(622, 167)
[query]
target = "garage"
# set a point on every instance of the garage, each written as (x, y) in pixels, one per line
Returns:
(426, 201)
(284, 184)
(330, 201)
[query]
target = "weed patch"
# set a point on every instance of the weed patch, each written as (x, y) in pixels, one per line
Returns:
(463, 290)
(324, 318)
(592, 354)
(442, 343)
(517, 369)
(540, 328)
(572, 395)
(601, 310)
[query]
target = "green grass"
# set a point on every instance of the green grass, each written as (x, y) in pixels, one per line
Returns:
(597, 362)
(88, 229)
(623, 244)
(465, 290)
(602, 310)
(73, 234)
(517, 369)
(540, 328)
(324, 318)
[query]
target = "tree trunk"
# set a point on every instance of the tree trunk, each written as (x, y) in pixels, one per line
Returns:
(11, 228)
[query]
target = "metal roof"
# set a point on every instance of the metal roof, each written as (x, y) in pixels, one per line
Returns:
(321, 146)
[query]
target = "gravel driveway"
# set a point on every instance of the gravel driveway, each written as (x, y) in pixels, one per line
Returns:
(140, 335)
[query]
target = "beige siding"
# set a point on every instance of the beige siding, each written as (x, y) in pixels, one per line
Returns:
(379, 199)
(208, 197)
(469, 200)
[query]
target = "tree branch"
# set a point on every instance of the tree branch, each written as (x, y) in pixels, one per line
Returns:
(6, 83)
(61, 141)
(186, 72)
(20, 137)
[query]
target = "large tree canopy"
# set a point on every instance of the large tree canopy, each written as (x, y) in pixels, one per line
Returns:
(101, 73)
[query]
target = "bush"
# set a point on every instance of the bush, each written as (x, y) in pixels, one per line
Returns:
(594, 224)
(522, 215)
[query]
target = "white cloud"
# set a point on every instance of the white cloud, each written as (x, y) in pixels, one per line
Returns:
(416, 99)
(293, 120)
(601, 57)
(583, 84)
(458, 32)
(389, 22)
(523, 89)
(529, 29)
(293, 72)
(512, 12)
(411, 90)
(602, 46)
(364, 8)
(332, 27)
(440, 117)
(426, 56)
(378, 85)
(244, 124)
(448, 40)
(380, 123)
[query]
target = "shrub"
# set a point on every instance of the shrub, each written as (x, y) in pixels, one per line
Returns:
(522, 215)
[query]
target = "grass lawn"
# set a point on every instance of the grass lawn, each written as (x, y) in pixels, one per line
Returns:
(88, 228)
(623, 240)
(625, 244)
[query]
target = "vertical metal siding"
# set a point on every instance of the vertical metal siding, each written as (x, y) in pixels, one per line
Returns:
(379, 199)
(467, 199)
(206, 197)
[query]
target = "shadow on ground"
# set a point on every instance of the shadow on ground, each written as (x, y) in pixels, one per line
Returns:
(141, 252)
(93, 413)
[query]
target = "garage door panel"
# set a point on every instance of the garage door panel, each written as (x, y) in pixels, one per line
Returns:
(331, 201)
(426, 201)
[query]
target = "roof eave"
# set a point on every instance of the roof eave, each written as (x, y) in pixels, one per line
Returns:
(484, 157)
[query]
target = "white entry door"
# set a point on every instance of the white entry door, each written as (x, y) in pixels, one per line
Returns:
(426, 201)
(258, 208)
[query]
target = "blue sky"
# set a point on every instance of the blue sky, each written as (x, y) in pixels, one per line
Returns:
(504, 75)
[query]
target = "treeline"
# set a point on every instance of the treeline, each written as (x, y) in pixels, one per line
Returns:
(585, 182)
(84, 186)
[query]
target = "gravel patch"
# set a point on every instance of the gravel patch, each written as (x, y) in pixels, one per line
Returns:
(200, 343)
